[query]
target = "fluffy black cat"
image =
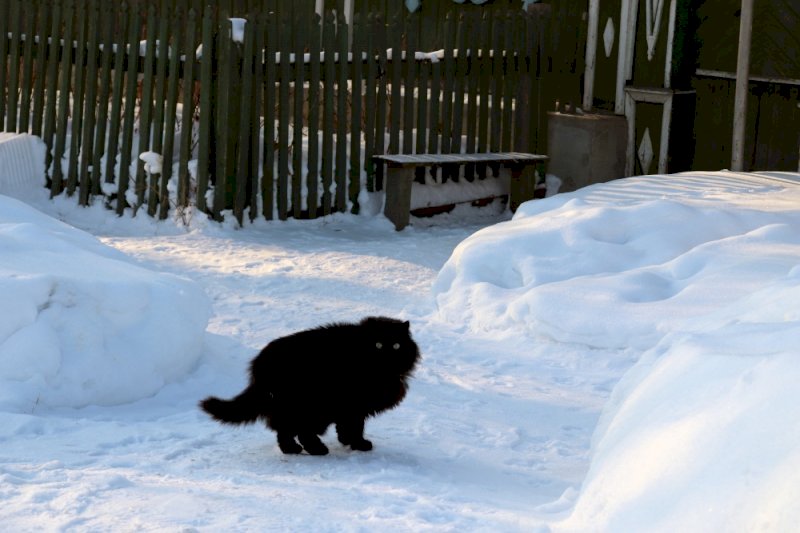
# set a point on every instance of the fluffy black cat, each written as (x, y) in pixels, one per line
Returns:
(335, 374)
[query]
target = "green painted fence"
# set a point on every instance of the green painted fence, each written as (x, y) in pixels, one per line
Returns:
(275, 119)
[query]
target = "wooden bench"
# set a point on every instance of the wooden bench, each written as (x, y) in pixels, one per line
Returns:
(401, 171)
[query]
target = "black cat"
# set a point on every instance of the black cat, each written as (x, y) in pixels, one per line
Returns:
(335, 374)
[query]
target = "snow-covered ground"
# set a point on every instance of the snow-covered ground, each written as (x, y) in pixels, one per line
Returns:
(621, 358)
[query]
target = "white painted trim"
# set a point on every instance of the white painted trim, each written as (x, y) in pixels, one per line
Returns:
(742, 91)
(670, 44)
(591, 54)
(652, 96)
(630, 115)
(627, 36)
(666, 123)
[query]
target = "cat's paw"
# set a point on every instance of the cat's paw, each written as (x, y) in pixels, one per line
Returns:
(361, 445)
(290, 447)
(316, 449)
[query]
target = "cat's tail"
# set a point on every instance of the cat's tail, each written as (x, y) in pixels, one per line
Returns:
(243, 409)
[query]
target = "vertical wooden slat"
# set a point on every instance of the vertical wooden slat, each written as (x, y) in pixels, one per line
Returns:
(459, 88)
(422, 99)
(246, 114)
(62, 120)
(448, 68)
(299, 100)
(254, 142)
(370, 100)
(475, 28)
(26, 92)
(4, 10)
(77, 98)
(359, 30)
(108, 20)
(396, 62)
(52, 80)
(497, 84)
(159, 97)
(329, 44)
(509, 80)
(43, 13)
(206, 111)
(409, 82)
(131, 77)
(117, 90)
(382, 95)
(434, 119)
(268, 180)
(340, 172)
(178, 23)
(283, 120)
(222, 131)
(90, 105)
(313, 115)
(484, 83)
(13, 66)
(187, 111)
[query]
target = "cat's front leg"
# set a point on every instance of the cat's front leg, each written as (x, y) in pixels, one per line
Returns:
(351, 433)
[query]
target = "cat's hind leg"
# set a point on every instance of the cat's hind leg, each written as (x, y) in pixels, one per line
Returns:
(287, 444)
(312, 444)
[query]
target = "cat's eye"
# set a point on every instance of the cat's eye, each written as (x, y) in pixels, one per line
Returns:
(396, 346)
(378, 345)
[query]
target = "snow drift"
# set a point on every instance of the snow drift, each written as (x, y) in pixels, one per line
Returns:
(80, 324)
(699, 272)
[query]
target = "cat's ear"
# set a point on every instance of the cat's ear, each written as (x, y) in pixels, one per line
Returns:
(407, 324)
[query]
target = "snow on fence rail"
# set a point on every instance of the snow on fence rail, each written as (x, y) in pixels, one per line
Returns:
(238, 129)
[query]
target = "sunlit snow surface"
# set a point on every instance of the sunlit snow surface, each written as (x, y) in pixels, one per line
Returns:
(668, 304)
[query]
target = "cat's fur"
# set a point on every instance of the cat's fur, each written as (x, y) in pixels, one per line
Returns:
(335, 374)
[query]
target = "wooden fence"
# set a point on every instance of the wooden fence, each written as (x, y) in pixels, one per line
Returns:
(253, 117)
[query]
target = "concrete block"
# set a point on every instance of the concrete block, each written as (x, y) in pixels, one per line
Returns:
(586, 149)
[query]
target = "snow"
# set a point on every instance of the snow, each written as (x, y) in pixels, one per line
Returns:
(619, 358)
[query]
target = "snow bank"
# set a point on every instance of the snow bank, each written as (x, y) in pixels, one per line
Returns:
(699, 273)
(22, 174)
(80, 324)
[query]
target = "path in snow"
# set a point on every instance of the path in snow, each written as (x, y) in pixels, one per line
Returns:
(493, 425)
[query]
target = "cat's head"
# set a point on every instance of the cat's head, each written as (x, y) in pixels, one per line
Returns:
(391, 344)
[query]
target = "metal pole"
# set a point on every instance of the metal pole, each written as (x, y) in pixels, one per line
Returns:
(742, 85)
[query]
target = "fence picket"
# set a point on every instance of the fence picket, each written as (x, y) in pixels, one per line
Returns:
(297, 122)
(268, 180)
(52, 80)
(13, 79)
(359, 30)
(313, 117)
(340, 172)
(4, 9)
(89, 109)
(77, 99)
(57, 185)
(178, 23)
(187, 109)
(283, 124)
(42, 47)
(329, 45)
(27, 70)
(206, 131)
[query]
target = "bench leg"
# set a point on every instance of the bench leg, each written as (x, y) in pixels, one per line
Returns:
(397, 206)
(522, 185)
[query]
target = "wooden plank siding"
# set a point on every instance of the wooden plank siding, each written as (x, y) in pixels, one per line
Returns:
(279, 123)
